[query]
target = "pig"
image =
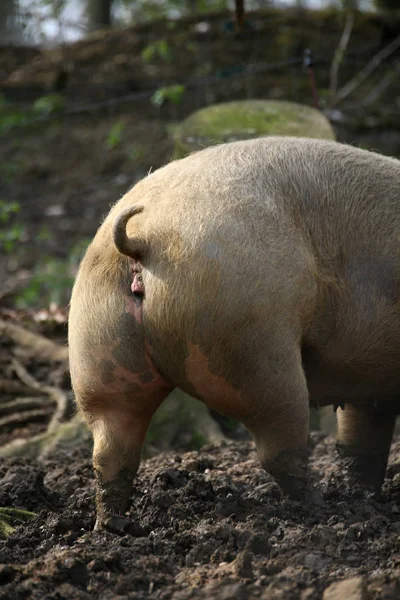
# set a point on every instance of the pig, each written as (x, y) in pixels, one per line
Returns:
(261, 277)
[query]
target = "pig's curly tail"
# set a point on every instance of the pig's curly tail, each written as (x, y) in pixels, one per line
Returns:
(134, 247)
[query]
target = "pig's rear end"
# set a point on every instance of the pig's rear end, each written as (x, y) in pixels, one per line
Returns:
(235, 276)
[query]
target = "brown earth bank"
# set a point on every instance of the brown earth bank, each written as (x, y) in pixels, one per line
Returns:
(207, 524)
(114, 61)
(63, 170)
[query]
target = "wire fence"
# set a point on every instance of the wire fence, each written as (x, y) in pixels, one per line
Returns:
(192, 84)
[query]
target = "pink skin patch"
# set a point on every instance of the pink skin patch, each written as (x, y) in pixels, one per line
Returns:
(137, 288)
(137, 285)
(148, 387)
(221, 394)
(134, 308)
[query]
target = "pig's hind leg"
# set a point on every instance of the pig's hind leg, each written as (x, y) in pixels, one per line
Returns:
(363, 443)
(119, 423)
(118, 438)
(118, 389)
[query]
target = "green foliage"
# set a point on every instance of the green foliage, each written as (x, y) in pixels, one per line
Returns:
(7, 209)
(198, 440)
(12, 516)
(171, 93)
(14, 116)
(47, 105)
(10, 116)
(11, 235)
(44, 234)
(136, 153)
(8, 171)
(52, 279)
(159, 49)
(114, 137)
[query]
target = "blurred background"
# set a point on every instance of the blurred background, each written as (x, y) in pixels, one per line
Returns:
(91, 92)
(95, 93)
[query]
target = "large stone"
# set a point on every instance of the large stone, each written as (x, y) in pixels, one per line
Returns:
(181, 421)
(348, 589)
(246, 119)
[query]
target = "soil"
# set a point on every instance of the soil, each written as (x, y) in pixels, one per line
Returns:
(207, 524)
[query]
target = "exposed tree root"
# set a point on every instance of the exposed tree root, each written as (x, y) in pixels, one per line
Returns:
(27, 399)
(180, 420)
(15, 387)
(21, 418)
(34, 344)
(24, 404)
(40, 446)
(61, 399)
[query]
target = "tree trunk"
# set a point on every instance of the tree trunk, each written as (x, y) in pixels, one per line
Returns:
(99, 14)
(8, 13)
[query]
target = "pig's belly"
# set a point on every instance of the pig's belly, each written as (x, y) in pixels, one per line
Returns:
(352, 382)
(351, 352)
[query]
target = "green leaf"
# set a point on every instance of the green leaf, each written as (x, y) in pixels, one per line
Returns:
(115, 135)
(173, 93)
(160, 49)
(148, 53)
(47, 105)
(164, 50)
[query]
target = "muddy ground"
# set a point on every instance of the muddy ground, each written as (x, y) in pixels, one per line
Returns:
(208, 524)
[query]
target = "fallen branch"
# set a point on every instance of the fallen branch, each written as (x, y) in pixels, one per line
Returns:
(339, 54)
(369, 68)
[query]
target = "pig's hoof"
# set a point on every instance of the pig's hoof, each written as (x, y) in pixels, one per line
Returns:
(114, 523)
(366, 472)
(289, 469)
